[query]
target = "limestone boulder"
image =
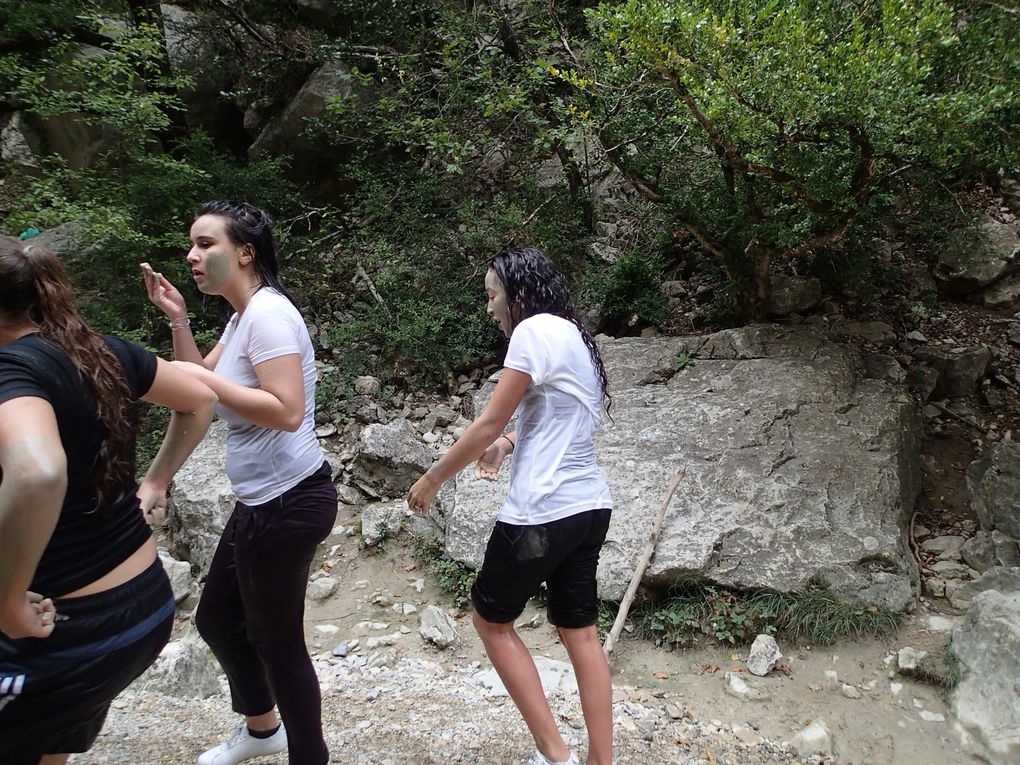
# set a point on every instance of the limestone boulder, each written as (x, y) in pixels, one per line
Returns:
(191, 50)
(977, 257)
(790, 294)
(287, 132)
(994, 484)
(388, 459)
(201, 501)
(14, 148)
(988, 549)
(185, 669)
(799, 470)
(987, 700)
(959, 369)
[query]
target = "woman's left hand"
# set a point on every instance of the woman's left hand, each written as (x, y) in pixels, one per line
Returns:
(32, 617)
(423, 493)
(152, 499)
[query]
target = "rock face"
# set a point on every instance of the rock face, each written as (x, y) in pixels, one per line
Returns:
(987, 701)
(201, 500)
(185, 668)
(792, 295)
(798, 470)
(976, 258)
(388, 459)
(994, 483)
(958, 370)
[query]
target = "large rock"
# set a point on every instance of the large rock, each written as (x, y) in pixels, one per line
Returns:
(999, 578)
(14, 149)
(193, 51)
(994, 484)
(988, 549)
(790, 294)
(287, 132)
(798, 470)
(185, 668)
(1003, 295)
(388, 459)
(959, 369)
(976, 257)
(201, 500)
(987, 701)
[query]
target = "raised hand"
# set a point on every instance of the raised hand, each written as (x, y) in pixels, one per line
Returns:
(163, 294)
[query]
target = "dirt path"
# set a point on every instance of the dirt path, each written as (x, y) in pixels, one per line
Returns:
(429, 706)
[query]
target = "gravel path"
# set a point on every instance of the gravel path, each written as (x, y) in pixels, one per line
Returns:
(418, 711)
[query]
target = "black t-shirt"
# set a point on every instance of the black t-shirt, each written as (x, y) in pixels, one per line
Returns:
(89, 540)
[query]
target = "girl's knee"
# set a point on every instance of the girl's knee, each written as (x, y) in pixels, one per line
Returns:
(484, 627)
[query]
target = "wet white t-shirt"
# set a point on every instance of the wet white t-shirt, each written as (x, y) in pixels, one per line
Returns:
(263, 463)
(554, 474)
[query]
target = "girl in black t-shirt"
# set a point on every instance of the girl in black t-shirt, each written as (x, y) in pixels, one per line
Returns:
(85, 606)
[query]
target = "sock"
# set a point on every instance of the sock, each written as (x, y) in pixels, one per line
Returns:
(263, 733)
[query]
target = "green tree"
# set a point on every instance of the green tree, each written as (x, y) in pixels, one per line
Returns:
(770, 130)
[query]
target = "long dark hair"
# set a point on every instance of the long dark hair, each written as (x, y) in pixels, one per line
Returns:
(33, 288)
(533, 286)
(248, 224)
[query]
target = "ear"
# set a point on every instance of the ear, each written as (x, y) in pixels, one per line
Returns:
(247, 255)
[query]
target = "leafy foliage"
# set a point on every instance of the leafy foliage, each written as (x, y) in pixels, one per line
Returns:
(454, 579)
(691, 611)
(770, 130)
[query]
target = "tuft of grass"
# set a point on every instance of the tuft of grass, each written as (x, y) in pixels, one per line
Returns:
(953, 669)
(454, 578)
(692, 611)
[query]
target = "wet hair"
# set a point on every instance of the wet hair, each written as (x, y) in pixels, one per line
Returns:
(33, 288)
(533, 286)
(247, 224)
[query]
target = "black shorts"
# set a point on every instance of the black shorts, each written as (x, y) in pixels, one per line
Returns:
(564, 554)
(55, 692)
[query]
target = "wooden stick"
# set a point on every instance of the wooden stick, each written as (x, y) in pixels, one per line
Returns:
(639, 572)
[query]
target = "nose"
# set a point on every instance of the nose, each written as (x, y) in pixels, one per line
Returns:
(192, 256)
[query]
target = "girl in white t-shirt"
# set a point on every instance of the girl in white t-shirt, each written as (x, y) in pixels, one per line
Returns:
(556, 514)
(252, 608)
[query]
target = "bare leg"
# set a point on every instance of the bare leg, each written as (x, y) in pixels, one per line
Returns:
(517, 670)
(54, 759)
(265, 721)
(596, 689)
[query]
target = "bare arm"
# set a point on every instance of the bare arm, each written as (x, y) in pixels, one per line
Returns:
(278, 402)
(194, 405)
(31, 496)
(476, 439)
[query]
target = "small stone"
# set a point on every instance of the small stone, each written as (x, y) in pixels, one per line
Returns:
(927, 716)
(764, 655)
(321, 588)
(674, 712)
(341, 649)
(909, 658)
(813, 739)
(849, 691)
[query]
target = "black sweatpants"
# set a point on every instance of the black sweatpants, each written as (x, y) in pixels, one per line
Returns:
(252, 609)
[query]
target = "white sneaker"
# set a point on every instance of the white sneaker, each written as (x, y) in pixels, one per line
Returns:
(540, 759)
(243, 745)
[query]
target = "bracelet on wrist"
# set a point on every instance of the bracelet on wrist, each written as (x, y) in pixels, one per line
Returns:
(180, 323)
(509, 441)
